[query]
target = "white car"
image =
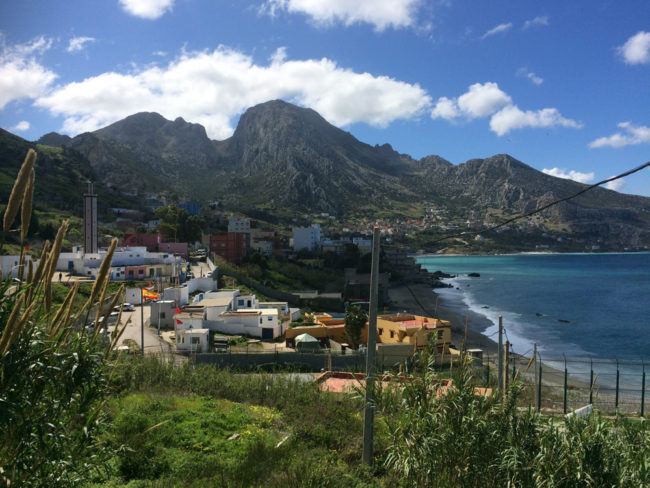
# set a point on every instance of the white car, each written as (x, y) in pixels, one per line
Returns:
(126, 307)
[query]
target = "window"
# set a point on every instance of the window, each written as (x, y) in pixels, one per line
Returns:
(240, 303)
(392, 334)
(270, 318)
(162, 315)
(381, 331)
(196, 340)
(261, 320)
(439, 334)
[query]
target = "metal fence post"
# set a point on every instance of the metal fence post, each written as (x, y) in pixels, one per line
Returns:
(618, 375)
(643, 391)
(487, 372)
(591, 382)
(539, 387)
(566, 376)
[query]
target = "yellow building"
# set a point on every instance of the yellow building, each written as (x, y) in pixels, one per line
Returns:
(391, 329)
(414, 329)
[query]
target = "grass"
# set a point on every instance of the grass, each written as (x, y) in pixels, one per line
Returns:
(170, 426)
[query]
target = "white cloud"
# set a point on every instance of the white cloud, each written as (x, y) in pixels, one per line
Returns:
(21, 75)
(524, 73)
(487, 99)
(616, 185)
(498, 29)
(570, 175)
(213, 87)
(445, 109)
(380, 13)
(78, 43)
(630, 136)
(480, 100)
(539, 20)
(147, 9)
(21, 126)
(511, 117)
(637, 49)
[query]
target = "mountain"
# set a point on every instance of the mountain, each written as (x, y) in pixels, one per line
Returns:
(284, 161)
(61, 176)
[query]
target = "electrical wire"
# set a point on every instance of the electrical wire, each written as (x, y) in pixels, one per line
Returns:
(544, 207)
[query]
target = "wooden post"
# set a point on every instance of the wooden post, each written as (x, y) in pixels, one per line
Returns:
(369, 413)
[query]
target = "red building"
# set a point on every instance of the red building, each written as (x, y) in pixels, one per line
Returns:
(150, 241)
(232, 246)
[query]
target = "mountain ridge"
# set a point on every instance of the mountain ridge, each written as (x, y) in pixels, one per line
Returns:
(286, 160)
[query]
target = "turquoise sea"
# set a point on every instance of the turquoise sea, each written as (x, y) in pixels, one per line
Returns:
(588, 305)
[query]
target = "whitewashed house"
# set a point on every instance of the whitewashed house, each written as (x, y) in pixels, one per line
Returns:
(193, 340)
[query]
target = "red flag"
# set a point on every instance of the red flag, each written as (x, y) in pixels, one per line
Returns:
(150, 284)
(178, 310)
(179, 322)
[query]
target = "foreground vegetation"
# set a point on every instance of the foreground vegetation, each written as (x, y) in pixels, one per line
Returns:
(73, 414)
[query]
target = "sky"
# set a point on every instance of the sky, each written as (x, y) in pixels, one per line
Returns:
(562, 86)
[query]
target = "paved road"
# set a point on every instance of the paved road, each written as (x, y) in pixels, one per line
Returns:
(152, 343)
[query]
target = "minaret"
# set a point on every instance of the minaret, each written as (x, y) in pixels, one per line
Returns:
(90, 221)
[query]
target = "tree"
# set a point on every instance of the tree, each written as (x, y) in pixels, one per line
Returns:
(355, 321)
(179, 225)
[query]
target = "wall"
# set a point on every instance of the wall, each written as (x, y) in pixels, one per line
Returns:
(265, 290)
(307, 361)
(201, 284)
(178, 294)
(165, 311)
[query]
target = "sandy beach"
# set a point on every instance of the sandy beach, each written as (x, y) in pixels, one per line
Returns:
(420, 299)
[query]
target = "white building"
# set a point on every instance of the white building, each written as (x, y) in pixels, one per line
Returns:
(306, 238)
(127, 263)
(10, 265)
(162, 313)
(245, 302)
(239, 224)
(193, 340)
(254, 322)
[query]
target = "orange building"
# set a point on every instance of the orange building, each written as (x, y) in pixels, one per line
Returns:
(391, 329)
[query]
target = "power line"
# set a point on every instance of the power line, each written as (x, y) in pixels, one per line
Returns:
(544, 207)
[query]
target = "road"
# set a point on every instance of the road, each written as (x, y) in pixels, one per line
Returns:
(152, 343)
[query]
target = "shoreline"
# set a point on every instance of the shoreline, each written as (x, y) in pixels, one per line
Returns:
(420, 299)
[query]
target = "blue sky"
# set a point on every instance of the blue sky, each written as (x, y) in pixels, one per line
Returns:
(562, 86)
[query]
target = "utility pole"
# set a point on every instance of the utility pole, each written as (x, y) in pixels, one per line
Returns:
(500, 356)
(142, 320)
(369, 413)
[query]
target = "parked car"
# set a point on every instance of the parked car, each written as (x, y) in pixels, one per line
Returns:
(126, 307)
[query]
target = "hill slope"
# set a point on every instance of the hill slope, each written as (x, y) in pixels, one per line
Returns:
(283, 161)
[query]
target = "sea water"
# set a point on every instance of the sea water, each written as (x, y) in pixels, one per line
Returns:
(578, 305)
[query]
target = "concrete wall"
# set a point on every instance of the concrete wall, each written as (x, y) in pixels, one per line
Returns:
(201, 284)
(180, 295)
(133, 295)
(307, 361)
(163, 311)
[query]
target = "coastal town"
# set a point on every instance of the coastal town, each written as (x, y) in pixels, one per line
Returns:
(180, 307)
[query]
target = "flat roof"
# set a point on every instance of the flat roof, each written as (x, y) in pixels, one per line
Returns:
(189, 315)
(215, 302)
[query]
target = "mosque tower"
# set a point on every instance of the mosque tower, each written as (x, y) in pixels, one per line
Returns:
(90, 220)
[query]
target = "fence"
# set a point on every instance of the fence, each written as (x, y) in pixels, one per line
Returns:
(563, 384)
(550, 385)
